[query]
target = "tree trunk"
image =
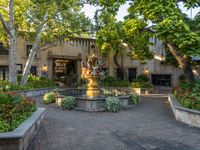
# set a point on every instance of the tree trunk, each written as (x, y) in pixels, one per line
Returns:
(119, 66)
(187, 69)
(32, 53)
(13, 46)
(184, 62)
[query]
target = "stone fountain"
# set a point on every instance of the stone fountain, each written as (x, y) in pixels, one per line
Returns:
(92, 70)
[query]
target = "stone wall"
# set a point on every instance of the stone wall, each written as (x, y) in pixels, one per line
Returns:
(20, 138)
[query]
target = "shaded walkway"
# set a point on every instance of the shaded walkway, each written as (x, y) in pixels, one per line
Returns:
(147, 126)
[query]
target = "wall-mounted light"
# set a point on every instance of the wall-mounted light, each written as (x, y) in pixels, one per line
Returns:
(44, 68)
(146, 71)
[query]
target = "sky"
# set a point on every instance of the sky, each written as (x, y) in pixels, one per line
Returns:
(90, 10)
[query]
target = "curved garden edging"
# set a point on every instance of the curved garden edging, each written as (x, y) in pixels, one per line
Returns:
(35, 92)
(20, 138)
(188, 116)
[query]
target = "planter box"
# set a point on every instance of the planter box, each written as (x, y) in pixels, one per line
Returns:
(35, 92)
(20, 138)
(142, 90)
(188, 116)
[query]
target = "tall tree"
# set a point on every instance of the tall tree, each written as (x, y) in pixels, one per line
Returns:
(45, 22)
(115, 37)
(9, 27)
(171, 26)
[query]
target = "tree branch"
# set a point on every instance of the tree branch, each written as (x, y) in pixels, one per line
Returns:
(5, 24)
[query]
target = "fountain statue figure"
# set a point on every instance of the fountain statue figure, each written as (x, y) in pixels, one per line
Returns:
(92, 70)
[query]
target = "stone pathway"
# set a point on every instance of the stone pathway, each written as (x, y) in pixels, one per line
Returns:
(148, 126)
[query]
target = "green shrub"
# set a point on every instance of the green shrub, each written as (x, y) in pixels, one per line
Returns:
(14, 109)
(182, 78)
(189, 95)
(49, 98)
(113, 82)
(68, 103)
(141, 85)
(112, 104)
(134, 99)
(4, 126)
(109, 79)
(142, 78)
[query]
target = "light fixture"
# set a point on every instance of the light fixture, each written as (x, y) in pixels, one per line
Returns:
(44, 68)
(146, 71)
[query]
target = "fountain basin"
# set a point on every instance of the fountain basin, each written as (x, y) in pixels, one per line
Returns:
(96, 104)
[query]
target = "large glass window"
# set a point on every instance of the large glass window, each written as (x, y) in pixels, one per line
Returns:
(161, 79)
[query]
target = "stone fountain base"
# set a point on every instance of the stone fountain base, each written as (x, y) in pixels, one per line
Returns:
(97, 104)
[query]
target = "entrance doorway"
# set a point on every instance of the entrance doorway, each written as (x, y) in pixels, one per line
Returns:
(65, 71)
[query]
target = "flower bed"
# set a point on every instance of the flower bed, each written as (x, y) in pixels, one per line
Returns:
(20, 138)
(14, 109)
(189, 95)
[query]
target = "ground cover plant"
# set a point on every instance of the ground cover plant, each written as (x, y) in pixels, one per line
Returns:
(34, 82)
(14, 109)
(188, 94)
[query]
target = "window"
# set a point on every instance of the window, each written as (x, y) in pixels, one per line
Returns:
(19, 68)
(132, 74)
(28, 49)
(161, 79)
(33, 70)
(120, 74)
(3, 72)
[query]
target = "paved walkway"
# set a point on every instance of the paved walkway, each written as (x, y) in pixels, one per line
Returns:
(148, 126)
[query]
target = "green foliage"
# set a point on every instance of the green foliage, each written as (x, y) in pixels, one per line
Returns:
(112, 104)
(49, 98)
(34, 82)
(14, 109)
(189, 95)
(68, 103)
(182, 78)
(142, 81)
(134, 99)
(142, 78)
(137, 84)
(113, 82)
(64, 20)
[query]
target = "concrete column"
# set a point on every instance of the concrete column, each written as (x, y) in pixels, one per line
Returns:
(110, 65)
(78, 71)
(50, 68)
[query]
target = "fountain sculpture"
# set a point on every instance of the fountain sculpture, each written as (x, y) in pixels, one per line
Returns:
(92, 70)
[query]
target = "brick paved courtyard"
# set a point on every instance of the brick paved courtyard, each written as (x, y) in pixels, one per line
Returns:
(147, 126)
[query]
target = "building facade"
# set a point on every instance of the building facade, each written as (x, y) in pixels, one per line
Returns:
(62, 62)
